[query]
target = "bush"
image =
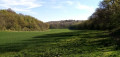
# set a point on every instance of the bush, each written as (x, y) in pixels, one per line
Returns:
(115, 32)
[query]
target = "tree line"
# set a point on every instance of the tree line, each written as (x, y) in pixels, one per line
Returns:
(10, 20)
(63, 24)
(106, 17)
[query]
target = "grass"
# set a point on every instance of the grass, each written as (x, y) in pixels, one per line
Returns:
(58, 43)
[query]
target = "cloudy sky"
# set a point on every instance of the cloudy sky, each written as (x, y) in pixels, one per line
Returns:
(53, 10)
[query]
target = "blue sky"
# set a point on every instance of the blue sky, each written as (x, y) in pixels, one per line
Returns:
(53, 10)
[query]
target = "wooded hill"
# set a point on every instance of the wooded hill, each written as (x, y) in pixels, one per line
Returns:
(10, 20)
(106, 17)
(63, 24)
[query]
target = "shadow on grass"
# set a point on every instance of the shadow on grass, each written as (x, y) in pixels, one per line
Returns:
(35, 42)
(80, 34)
(84, 44)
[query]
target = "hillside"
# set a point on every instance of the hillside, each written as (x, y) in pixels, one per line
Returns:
(63, 24)
(106, 17)
(10, 20)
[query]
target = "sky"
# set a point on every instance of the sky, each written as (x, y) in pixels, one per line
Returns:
(53, 10)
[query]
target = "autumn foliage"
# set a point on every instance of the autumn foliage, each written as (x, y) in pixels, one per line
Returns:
(10, 20)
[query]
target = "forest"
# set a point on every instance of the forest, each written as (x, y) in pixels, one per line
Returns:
(63, 24)
(106, 17)
(11, 21)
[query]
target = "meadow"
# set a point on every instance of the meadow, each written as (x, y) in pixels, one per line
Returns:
(58, 43)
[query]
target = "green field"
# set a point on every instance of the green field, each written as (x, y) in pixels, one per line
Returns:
(58, 43)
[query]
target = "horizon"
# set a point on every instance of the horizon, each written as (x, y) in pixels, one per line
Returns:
(53, 10)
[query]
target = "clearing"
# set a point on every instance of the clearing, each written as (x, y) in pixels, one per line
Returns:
(58, 43)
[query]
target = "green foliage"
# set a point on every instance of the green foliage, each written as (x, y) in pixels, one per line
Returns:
(58, 43)
(106, 17)
(115, 32)
(64, 24)
(10, 20)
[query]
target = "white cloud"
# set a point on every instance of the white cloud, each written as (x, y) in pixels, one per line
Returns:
(70, 2)
(18, 9)
(53, 0)
(57, 4)
(57, 7)
(85, 7)
(77, 17)
(20, 5)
